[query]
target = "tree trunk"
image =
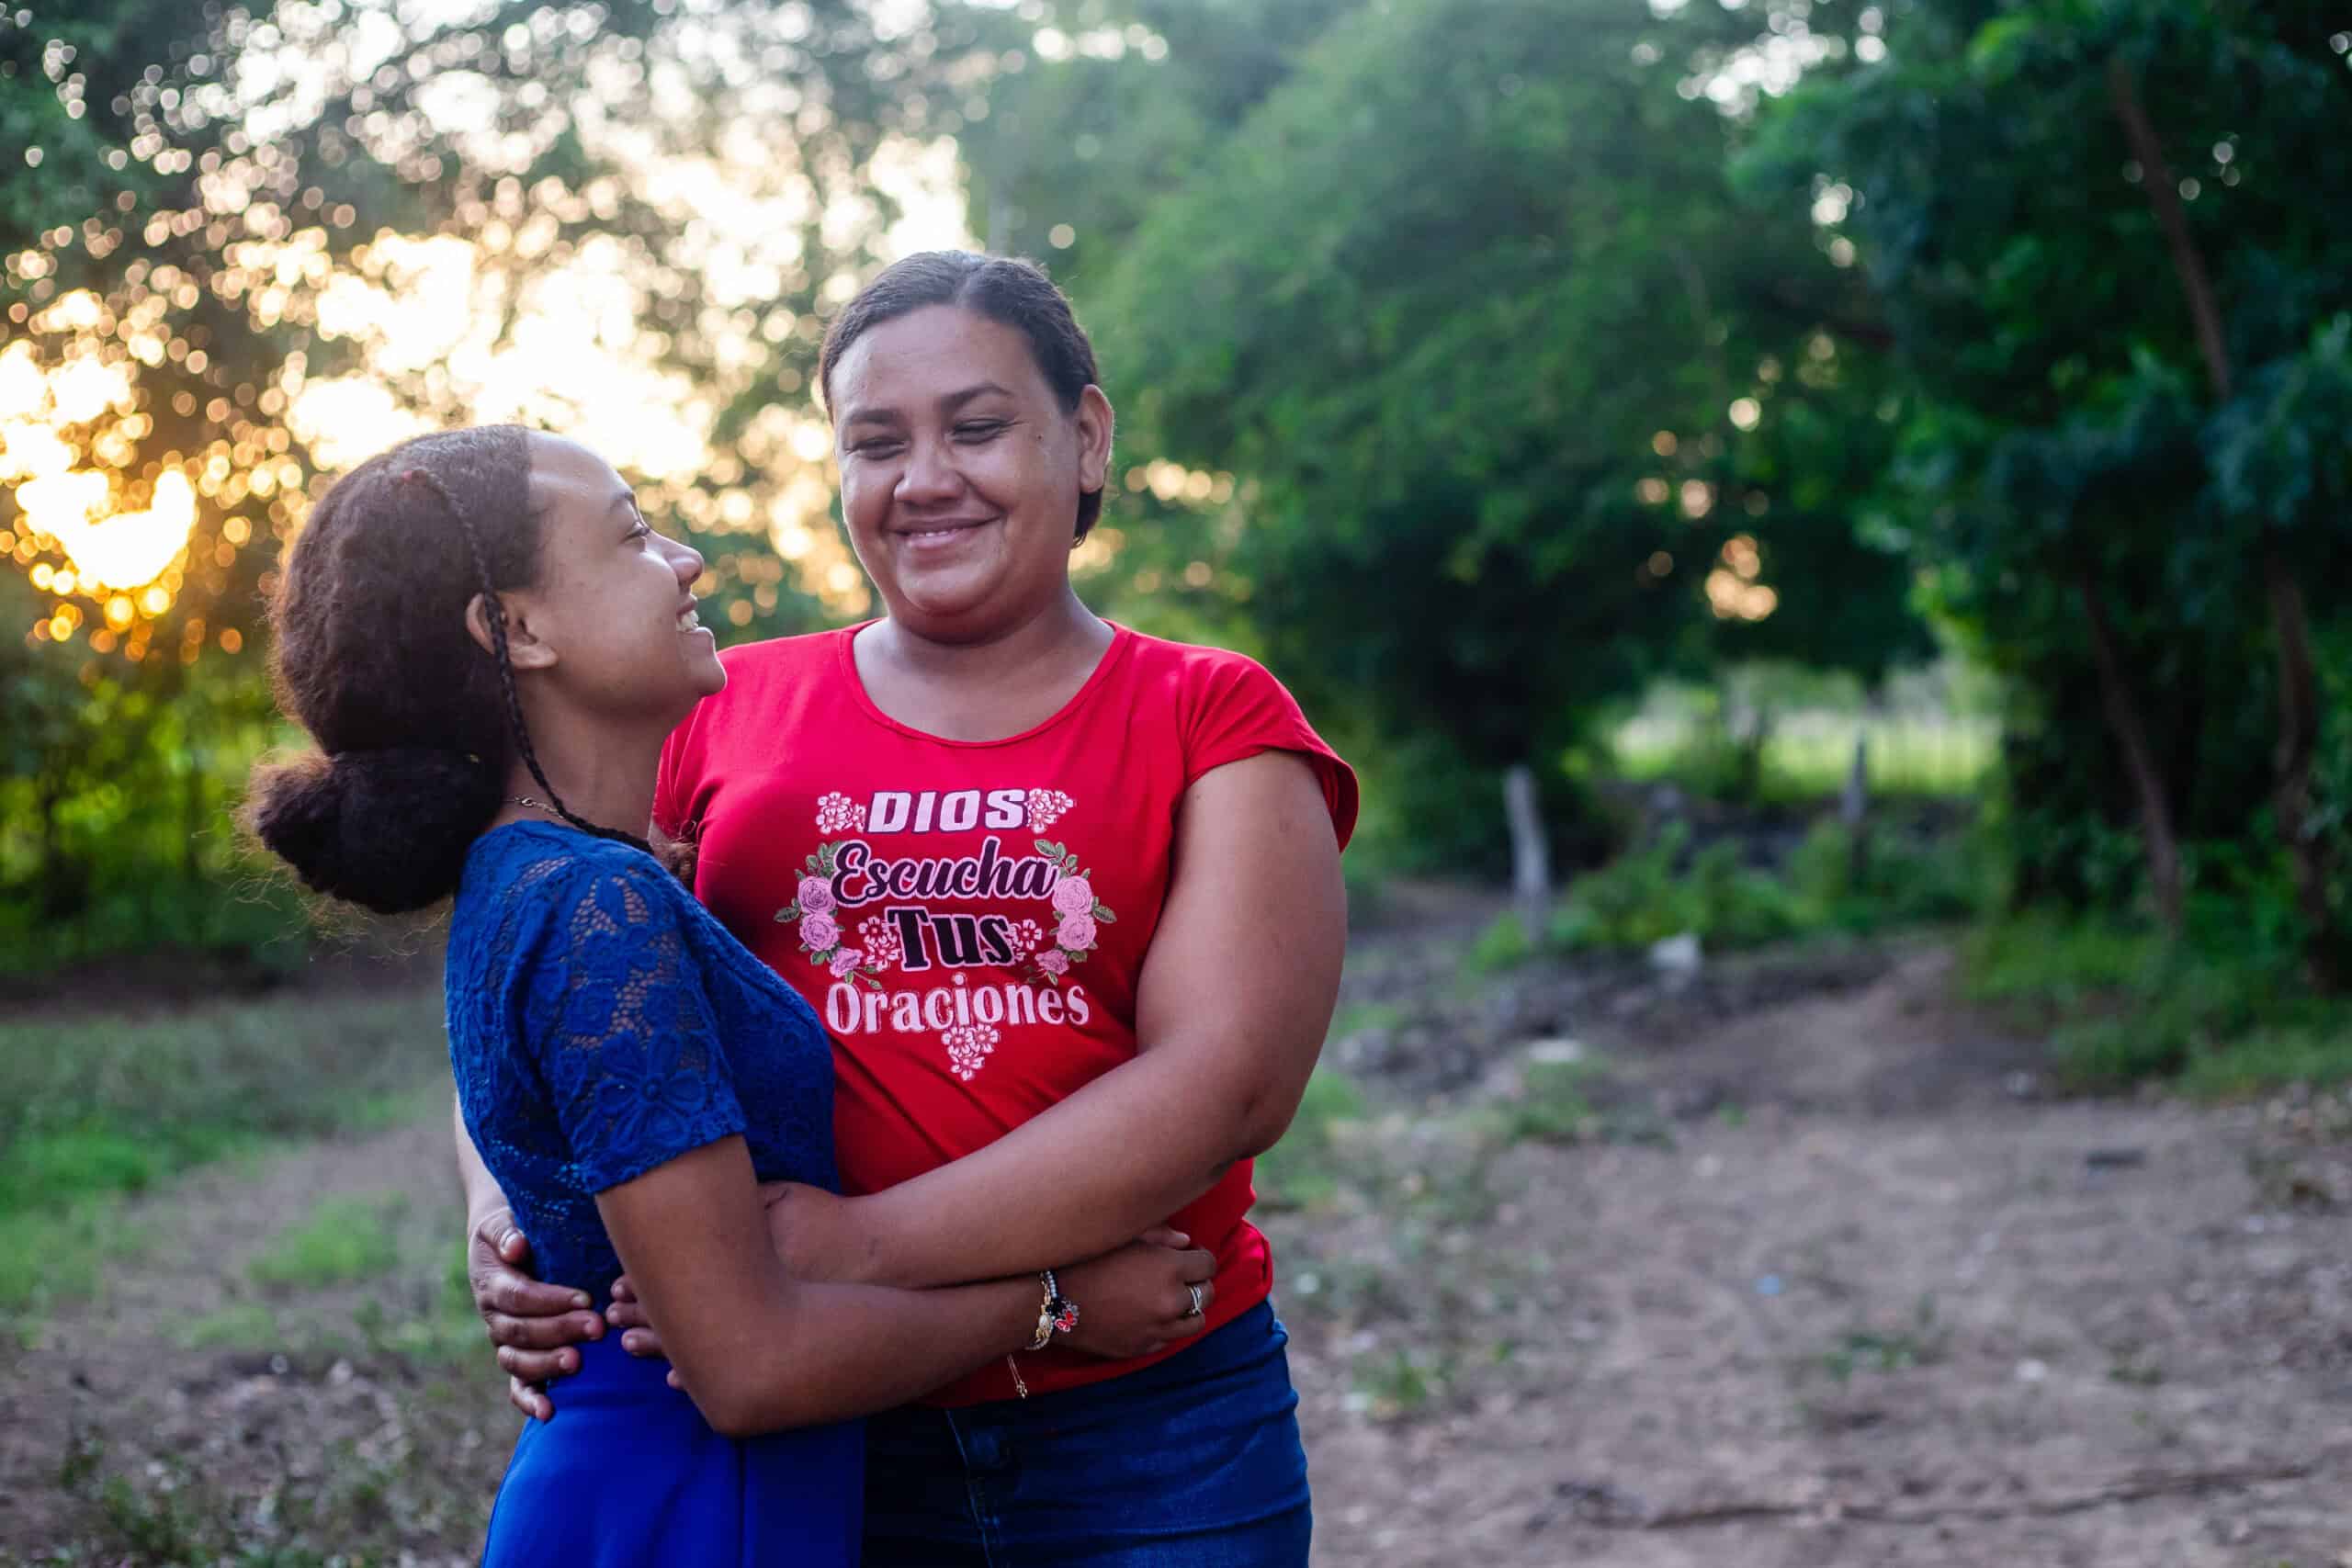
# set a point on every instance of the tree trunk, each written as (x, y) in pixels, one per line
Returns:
(2291, 762)
(2138, 758)
(1530, 853)
(2289, 622)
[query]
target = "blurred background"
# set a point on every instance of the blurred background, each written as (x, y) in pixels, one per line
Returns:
(1812, 516)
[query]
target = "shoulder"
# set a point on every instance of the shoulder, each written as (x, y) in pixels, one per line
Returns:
(548, 875)
(1226, 707)
(1195, 673)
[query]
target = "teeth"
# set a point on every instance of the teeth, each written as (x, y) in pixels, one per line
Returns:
(689, 620)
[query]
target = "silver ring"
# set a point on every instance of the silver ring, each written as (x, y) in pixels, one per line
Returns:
(1196, 1301)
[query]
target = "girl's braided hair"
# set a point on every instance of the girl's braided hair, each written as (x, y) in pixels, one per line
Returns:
(416, 724)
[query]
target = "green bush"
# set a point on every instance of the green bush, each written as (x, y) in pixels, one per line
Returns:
(1504, 944)
(2222, 1010)
(1650, 894)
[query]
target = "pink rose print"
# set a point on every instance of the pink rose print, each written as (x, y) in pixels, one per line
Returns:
(883, 947)
(820, 932)
(1045, 807)
(967, 1048)
(839, 814)
(1073, 896)
(816, 895)
(846, 962)
(1054, 960)
(1076, 933)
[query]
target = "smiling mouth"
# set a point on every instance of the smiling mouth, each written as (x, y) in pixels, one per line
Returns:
(690, 619)
(942, 531)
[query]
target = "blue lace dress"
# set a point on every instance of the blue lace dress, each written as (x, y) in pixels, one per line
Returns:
(602, 1023)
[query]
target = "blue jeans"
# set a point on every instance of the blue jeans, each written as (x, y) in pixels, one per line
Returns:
(1192, 1462)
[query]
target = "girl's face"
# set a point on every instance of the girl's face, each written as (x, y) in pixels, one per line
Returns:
(610, 624)
(961, 471)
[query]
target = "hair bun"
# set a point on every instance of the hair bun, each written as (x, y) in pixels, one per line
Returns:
(386, 828)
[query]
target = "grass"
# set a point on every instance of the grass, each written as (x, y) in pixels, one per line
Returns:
(346, 1240)
(1303, 1169)
(94, 1111)
(1806, 756)
(2219, 1013)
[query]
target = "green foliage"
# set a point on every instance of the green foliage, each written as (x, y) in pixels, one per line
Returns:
(1504, 944)
(2072, 437)
(345, 1240)
(1303, 1169)
(1457, 504)
(2221, 1014)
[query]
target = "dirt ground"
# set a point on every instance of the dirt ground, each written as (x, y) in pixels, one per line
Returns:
(1792, 1262)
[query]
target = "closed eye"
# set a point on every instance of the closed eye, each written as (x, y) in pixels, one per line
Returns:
(973, 432)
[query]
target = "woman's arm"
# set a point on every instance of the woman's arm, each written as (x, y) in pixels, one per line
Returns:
(757, 1349)
(1231, 1010)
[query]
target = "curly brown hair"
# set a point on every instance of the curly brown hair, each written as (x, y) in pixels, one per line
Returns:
(417, 724)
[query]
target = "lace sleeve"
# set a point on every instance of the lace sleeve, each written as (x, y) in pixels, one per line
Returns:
(623, 1030)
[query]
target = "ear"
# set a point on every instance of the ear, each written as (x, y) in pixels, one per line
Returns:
(523, 648)
(1095, 423)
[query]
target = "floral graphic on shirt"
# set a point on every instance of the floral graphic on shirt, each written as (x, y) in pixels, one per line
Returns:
(1045, 807)
(1078, 915)
(837, 813)
(820, 932)
(968, 1046)
(883, 946)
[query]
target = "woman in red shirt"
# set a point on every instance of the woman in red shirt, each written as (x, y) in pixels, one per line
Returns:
(1068, 899)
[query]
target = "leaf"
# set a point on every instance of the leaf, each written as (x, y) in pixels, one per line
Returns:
(1103, 915)
(1049, 850)
(790, 912)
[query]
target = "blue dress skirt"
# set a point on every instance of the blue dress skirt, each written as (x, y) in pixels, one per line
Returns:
(629, 1475)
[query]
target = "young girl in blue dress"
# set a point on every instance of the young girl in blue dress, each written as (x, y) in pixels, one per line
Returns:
(489, 644)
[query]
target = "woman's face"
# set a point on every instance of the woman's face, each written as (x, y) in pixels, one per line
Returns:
(610, 624)
(961, 471)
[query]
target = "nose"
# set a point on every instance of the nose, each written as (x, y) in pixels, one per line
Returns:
(928, 477)
(686, 562)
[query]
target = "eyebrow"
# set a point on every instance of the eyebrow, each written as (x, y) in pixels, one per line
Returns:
(625, 501)
(948, 404)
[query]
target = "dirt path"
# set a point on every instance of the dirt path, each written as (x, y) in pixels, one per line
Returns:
(1897, 1314)
(1822, 1282)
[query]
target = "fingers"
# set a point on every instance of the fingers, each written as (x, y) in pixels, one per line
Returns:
(627, 1314)
(532, 1402)
(644, 1344)
(1165, 1236)
(1183, 1320)
(1197, 1265)
(543, 1333)
(623, 1291)
(518, 1296)
(538, 1366)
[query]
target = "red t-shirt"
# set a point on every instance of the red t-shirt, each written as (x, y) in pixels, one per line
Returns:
(971, 918)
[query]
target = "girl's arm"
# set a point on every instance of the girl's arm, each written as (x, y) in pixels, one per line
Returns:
(757, 1349)
(1231, 1010)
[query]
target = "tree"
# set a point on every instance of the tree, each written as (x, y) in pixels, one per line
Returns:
(2109, 236)
(1464, 300)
